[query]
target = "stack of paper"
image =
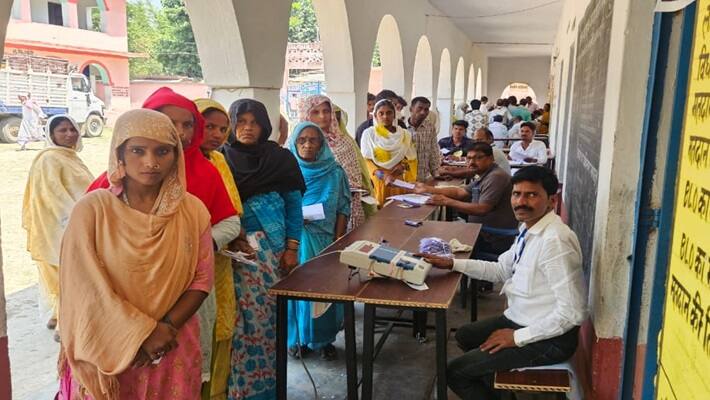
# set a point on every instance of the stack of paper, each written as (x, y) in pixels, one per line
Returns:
(402, 184)
(417, 199)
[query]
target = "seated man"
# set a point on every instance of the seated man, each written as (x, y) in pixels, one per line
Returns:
(544, 286)
(486, 200)
(526, 149)
(486, 136)
(456, 144)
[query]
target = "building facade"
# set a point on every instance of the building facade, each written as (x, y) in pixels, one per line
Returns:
(90, 34)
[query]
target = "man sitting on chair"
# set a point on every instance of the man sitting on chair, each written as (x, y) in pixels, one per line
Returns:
(486, 200)
(544, 286)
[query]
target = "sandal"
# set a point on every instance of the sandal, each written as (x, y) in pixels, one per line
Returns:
(293, 351)
(328, 353)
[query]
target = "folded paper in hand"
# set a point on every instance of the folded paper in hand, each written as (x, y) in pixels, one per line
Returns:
(239, 256)
(402, 184)
(314, 212)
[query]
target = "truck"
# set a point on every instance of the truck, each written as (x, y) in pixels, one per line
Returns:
(55, 90)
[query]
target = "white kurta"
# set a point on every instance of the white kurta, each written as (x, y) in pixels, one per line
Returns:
(30, 128)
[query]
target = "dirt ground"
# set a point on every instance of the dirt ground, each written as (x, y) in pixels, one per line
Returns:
(19, 270)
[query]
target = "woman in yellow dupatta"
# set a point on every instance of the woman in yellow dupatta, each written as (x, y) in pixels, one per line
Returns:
(136, 263)
(389, 152)
(57, 179)
(216, 133)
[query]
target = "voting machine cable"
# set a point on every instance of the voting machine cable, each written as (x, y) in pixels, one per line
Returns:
(298, 338)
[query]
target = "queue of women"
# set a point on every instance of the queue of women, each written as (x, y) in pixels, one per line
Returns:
(144, 302)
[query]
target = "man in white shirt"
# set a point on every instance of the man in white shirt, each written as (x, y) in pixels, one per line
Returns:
(526, 149)
(500, 131)
(484, 105)
(500, 109)
(514, 131)
(532, 106)
(544, 286)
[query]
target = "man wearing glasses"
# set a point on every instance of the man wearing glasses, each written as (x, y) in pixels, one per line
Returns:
(486, 200)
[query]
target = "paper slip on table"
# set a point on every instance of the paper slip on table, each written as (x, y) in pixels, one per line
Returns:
(324, 278)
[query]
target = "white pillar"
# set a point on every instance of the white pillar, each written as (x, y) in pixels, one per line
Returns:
(444, 107)
(242, 49)
(348, 102)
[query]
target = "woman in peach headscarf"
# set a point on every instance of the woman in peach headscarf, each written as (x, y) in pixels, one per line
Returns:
(143, 252)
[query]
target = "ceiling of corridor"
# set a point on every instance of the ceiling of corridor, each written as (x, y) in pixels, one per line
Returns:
(505, 28)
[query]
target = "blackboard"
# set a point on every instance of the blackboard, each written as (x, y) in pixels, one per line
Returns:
(582, 174)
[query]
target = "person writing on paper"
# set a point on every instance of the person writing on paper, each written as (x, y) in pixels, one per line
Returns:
(544, 286)
(136, 264)
(486, 199)
(271, 187)
(527, 150)
(455, 145)
(313, 325)
(389, 152)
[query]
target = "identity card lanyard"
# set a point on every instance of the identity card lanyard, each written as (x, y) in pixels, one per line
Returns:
(520, 246)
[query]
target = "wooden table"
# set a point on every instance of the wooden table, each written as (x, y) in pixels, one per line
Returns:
(324, 278)
(395, 294)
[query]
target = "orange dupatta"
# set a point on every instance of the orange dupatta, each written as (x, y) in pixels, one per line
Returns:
(121, 270)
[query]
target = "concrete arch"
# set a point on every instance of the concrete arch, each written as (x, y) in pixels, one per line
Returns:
(443, 90)
(459, 83)
(100, 79)
(101, 68)
(231, 36)
(471, 91)
(218, 19)
(444, 104)
(423, 79)
(516, 89)
(334, 27)
(479, 84)
(390, 44)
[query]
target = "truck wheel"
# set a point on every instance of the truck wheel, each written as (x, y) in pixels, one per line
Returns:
(9, 128)
(93, 126)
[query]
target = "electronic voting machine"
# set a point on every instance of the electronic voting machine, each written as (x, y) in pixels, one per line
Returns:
(386, 261)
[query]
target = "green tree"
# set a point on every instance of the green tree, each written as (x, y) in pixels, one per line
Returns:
(177, 48)
(143, 38)
(376, 61)
(302, 25)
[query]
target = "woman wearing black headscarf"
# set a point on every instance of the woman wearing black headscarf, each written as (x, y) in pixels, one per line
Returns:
(271, 187)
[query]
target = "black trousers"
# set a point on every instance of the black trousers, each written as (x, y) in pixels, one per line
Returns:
(470, 376)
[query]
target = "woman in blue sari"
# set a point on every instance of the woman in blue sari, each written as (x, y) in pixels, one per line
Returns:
(271, 187)
(314, 325)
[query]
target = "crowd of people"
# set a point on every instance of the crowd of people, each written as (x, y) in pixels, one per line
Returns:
(162, 309)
